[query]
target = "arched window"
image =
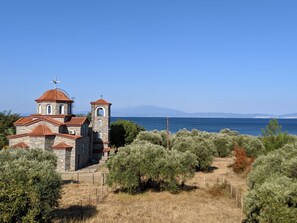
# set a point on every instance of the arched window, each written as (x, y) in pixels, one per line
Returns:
(48, 109)
(39, 109)
(69, 109)
(100, 112)
(61, 109)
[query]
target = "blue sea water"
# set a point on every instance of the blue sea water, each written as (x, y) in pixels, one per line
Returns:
(248, 126)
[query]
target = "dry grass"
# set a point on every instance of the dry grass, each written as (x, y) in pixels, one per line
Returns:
(208, 203)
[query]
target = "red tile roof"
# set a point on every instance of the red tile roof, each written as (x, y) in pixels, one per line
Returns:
(68, 136)
(29, 121)
(17, 136)
(77, 121)
(51, 120)
(62, 145)
(41, 130)
(23, 121)
(54, 95)
(20, 145)
(100, 102)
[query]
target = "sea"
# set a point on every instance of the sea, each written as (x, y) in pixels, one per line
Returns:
(249, 126)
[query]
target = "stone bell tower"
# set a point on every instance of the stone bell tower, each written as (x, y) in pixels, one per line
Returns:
(100, 111)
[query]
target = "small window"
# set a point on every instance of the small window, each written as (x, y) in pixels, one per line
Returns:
(100, 135)
(100, 112)
(69, 109)
(48, 109)
(61, 110)
(100, 122)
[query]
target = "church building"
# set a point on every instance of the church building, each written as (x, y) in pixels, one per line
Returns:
(74, 140)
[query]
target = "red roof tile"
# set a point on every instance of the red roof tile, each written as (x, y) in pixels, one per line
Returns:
(100, 102)
(20, 145)
(51, 120)
(23, 121)
(54, 95)
(17, 136)
(62, 145)
(29, 121)
(41, 130)
(68, 136)
(77, 121)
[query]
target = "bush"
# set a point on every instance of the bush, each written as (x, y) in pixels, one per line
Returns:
(137, 167)
(273, 138)
(229, 132)
(6, 126)
(29, 185)
(123, 132)
(241, 161)
(203, 149)
(273, 187)
(254, 147)
(152, 137)
(273, 201)
(224, 144)
(282, 161)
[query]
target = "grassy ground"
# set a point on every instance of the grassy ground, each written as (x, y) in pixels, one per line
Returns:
(202, 202)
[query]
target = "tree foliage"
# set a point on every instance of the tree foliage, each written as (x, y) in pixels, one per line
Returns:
(203, 149)
(241, 161)
(29, 185)
(273, 187)
(143, 165)
(123, 132)
(224, 144)
(273, 138)
(6, 126)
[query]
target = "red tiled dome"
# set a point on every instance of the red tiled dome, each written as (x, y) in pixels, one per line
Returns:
(100, 102)
(41, 130)
(54, 95)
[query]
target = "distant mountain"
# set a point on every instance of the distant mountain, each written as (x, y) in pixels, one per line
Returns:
(154, 111)
(147, 111)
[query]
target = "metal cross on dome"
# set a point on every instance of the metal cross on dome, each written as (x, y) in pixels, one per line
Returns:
(55, 82)
(101, 96)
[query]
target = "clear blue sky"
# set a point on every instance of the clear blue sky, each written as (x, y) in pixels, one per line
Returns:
(192, 55)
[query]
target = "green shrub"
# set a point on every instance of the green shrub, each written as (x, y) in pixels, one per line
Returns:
(274, 201)
(224, 144)
(6, 126)
(123, 132)
(273, 187)
(139, 166)
(254, 147)
(282, 161)
(203, 149)
(229, 132)
(273, 138)
(152, 137)
(29, 185)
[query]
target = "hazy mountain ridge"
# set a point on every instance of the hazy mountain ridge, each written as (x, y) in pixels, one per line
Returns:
(154, 111)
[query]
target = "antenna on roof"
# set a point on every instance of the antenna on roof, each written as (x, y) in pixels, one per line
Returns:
(55, 82)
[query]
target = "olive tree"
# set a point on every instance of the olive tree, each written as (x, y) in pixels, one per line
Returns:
(203, 149)
(29, 185)
(272, 195)
(143, 165)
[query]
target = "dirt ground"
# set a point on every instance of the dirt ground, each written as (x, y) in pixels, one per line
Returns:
(79, 202)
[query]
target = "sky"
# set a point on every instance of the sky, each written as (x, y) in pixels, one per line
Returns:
(235, 56)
